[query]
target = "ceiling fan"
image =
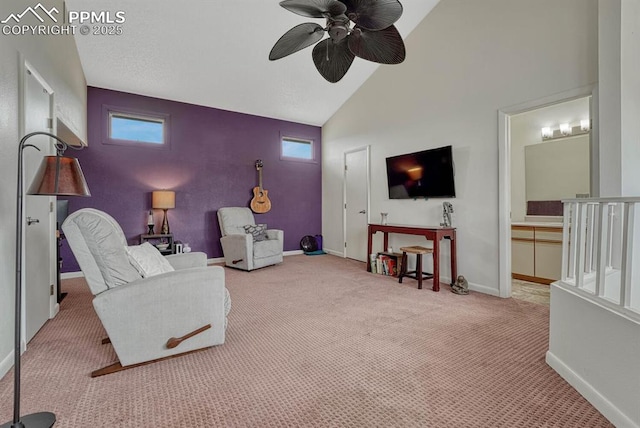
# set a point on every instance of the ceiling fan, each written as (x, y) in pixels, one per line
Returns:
(373, 36)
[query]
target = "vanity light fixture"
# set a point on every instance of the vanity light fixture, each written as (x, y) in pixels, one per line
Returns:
(565, 130)
(585, 124)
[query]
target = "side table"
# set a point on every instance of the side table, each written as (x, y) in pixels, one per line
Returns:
(158, 239)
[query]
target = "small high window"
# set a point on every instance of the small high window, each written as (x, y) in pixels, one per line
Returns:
(133, 128)
(295, 148)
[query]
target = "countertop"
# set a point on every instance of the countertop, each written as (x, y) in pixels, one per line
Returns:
(537, 223)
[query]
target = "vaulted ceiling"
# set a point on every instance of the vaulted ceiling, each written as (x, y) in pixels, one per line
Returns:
(215, 53)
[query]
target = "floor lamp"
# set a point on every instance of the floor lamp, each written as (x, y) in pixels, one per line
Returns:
(58, 176)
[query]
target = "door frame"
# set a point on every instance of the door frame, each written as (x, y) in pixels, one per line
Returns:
(504, 168)
(26, 66)
(367, 150)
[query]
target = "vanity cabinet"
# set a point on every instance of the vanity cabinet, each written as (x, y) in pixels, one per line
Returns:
(536, 253)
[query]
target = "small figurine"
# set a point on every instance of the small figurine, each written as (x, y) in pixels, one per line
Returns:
(150, 223)
(447, 209)
(461, 286)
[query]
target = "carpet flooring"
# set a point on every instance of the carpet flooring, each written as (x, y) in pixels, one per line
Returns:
(314, 342)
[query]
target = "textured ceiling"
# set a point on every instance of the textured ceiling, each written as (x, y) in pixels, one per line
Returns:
(215, 53)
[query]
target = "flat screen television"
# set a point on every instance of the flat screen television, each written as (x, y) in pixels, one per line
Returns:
(425, 174)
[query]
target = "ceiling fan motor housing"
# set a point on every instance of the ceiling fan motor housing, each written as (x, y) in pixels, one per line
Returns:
(338, 30)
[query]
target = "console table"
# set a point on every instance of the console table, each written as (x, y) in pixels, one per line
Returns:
(432, 233)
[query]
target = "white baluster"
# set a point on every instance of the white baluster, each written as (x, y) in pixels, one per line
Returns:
(603, 254)
(588, 265)
(581, 235)
(610, 243)
(573, 236)
(627, 254)
(566, 219)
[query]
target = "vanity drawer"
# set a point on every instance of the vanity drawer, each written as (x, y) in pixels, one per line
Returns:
(522, 232)
(549, 234)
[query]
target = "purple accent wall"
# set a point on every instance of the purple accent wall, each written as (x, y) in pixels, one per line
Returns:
(210, 163)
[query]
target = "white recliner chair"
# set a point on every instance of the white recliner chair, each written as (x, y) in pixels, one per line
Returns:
(150, 318)
(240, 249)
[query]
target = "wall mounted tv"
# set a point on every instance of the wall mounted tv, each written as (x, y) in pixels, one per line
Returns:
(425, 174)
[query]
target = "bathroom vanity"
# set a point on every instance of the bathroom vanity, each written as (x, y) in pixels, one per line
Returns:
(536, 251)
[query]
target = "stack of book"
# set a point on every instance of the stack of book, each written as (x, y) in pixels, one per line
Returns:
(386, 263)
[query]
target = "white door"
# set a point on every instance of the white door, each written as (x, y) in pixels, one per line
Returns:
(356, 179)
(39, 260)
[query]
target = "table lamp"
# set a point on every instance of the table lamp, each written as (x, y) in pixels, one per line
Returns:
(57, 176)
(163, 200)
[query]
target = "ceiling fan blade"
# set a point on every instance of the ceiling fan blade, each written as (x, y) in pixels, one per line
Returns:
(299, 37)
(314, 8)
(373, 14)
(332, 59)
(384, 46)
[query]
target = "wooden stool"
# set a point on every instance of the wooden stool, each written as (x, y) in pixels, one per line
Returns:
(415, 274)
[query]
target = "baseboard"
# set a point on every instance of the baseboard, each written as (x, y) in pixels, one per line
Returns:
(334, 252)
(484, 289)
(215, 261)
(600, 402)
(293, 253)
(6, 364)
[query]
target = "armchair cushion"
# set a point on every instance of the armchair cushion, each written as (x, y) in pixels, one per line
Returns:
(267, 248)
(147, 260)
(106, 248)
(187, 260)
(233, 219)
(258, 231)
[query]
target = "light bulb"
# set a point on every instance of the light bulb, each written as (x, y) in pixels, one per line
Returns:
(585, 124)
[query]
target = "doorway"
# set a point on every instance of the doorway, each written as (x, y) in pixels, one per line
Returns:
(506, 173)
(356, 203)
(39, 261)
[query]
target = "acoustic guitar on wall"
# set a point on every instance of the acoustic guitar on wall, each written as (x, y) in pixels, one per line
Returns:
(260, 203)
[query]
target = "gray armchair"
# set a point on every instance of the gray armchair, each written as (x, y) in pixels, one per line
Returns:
(239, 248)
(150, 318)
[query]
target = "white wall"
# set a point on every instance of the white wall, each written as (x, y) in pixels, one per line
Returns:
(56, 59)
(619, 104)
(465, 61)
(630, 97)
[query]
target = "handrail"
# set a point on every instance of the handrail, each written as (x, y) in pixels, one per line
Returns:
(633, 199)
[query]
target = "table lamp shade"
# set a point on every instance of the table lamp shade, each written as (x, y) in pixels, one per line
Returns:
(163, 199)
(59, 176)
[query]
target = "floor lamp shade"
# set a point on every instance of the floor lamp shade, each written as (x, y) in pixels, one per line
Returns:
(57, 175)
(163, 200)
